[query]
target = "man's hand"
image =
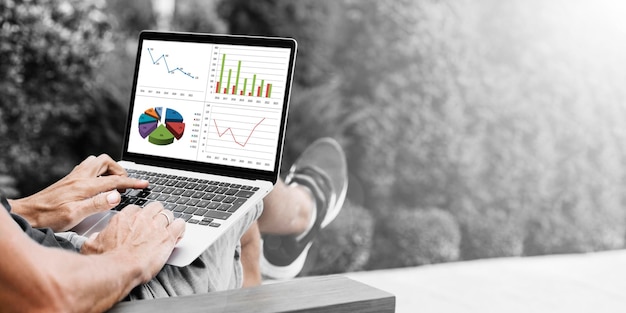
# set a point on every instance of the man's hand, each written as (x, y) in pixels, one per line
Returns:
(145, 236)
(91, 187)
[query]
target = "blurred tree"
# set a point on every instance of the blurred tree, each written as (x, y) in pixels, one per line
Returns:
(49, 51)
(316, 108)
(549, 148)
(312, 23)
(505, 116)
(315, 103)
(127, 19)
(475, 109)
(479, 111)
(197, 16)
(131, 17)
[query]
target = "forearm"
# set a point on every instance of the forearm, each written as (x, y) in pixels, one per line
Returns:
(95, 283)
(36, 278)
(29, 211)
(69, 282)
(130, 250)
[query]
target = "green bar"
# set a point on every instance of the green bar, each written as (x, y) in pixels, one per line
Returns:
(228, 85)
(222, 72)
(245, 83)
(237, 79)
(269, 91)
(262, 85)
(253, 84)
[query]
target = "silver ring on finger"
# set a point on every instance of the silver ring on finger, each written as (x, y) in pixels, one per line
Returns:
(169, 221)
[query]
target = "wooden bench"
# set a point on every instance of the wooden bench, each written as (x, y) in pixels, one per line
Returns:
(310, 294)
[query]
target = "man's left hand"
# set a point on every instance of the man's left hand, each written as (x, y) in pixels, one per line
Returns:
(91, 187)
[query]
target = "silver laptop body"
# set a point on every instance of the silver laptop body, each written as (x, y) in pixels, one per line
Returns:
(206, 127)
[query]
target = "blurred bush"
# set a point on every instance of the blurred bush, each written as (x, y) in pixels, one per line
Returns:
(315, 105)
(412, 237)
(345, 245)
(50, 51)
(482, 111)
(490, 232)
(7, 186)
(497, 115)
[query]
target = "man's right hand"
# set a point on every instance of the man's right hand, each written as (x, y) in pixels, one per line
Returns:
(145, 236)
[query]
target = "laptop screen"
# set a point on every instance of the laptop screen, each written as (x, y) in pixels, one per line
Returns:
(208, 99)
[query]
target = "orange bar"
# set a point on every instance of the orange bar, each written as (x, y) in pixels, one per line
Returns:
(258, 93)
(226, 90)
(217, 88)
(234, 91)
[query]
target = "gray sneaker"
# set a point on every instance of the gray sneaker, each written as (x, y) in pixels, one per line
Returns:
(323, 170)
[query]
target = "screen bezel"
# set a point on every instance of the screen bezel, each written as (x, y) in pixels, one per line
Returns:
(197, 166)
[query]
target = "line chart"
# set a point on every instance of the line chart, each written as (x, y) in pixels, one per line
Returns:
(240, 135)
(167, 67)
(174, 70)
(229, 129)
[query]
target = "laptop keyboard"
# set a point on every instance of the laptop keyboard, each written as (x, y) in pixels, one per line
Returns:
(197, 201)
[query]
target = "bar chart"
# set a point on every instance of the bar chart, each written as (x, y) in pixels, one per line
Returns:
(256, 72)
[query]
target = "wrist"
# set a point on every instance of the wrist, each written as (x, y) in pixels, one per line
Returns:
(132, 267)
(134, 271)
(22, 208)
(121, 274)
(40, 213)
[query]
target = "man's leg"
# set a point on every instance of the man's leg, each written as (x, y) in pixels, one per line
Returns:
(290, 210)
(251, 256)
(298, 209)
(291, 213)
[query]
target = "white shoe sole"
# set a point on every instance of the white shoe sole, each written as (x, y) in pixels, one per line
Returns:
(284, 272)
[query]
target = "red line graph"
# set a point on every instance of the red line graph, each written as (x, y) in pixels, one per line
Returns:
(220, 134)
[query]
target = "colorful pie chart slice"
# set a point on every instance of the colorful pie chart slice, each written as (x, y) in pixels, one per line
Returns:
(161, 131)
(145, 118)
(153, 112)
(161, 136)
(176, 128)
(146, 129)
(173, 116)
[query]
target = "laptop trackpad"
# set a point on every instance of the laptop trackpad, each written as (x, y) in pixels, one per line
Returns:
(94, 223)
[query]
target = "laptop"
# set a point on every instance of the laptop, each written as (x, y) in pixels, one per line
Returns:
(206, 127)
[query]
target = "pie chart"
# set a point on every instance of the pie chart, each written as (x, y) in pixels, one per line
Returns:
(161, 129)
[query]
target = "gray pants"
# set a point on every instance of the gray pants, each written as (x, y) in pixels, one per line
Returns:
(218, 268)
